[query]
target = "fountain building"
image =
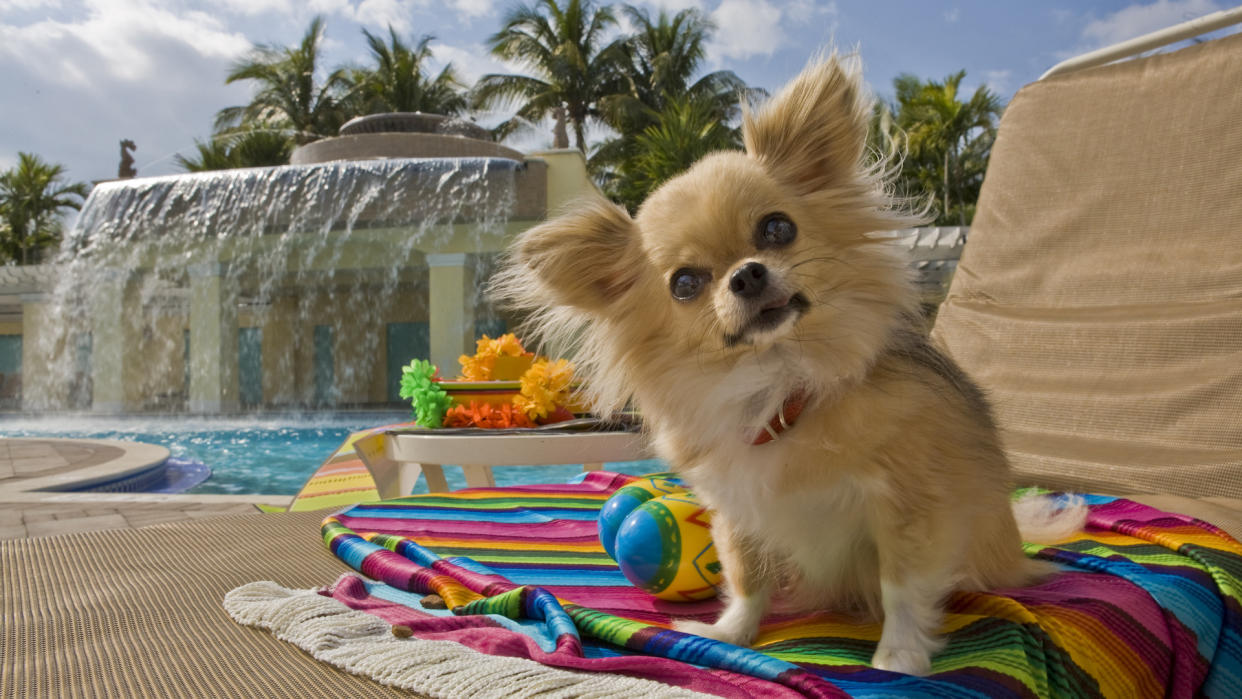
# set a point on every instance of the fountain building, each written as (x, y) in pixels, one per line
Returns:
(306, 285)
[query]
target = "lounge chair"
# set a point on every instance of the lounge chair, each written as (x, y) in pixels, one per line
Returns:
(1097, 301)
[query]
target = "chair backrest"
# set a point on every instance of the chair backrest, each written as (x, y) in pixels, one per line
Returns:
(1099, 301)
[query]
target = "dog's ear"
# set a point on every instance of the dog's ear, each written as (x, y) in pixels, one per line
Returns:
(587, 257)
(811, 135)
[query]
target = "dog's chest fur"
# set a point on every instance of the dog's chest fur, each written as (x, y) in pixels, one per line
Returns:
(817, 537)
(700, 413)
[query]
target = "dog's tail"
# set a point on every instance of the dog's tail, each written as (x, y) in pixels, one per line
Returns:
(1046, 519)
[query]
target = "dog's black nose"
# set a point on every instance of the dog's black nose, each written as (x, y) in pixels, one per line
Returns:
(749, 280)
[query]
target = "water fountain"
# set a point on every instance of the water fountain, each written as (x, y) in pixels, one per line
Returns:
(298, 286)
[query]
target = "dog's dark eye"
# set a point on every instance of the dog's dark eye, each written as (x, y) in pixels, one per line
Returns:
(775, 231)
(687, 283)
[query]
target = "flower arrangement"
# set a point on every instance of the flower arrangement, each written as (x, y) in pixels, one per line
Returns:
(543, 396)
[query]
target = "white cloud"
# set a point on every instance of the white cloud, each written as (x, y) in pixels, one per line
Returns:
(372, 14)
(384, 13)
(328, 45)
(746, 28)
(953, 15)
(328, 7)
(1137, 20)
(122, 39)
(474, 8)
(674, 6)
(142, 69)
(810, 11)
(471, 62)
(25, 5)
(624, 25)
(257, 7)
(997, 80)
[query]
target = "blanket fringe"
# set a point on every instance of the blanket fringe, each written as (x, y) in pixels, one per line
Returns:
(363, 644)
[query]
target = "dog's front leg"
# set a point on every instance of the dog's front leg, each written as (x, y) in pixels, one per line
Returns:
(913, 584)
(912, 616)
(748, 580)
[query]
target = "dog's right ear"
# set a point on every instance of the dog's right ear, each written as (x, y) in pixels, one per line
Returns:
(587, 257)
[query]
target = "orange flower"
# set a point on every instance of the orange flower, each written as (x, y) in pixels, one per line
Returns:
(486, 416)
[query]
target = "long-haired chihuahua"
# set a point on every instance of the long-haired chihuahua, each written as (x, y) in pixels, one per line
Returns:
(773, 345)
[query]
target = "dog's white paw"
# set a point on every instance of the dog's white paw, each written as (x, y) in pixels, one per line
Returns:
(717, 631)
(904, 660)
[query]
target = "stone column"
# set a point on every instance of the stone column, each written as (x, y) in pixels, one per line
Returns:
(213, 340)
(282, 334)
(451, 309)
(115, 322)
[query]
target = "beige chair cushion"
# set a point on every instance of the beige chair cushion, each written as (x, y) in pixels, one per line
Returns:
(1099, 299)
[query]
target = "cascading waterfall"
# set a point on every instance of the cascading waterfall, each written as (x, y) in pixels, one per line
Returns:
(301, 257)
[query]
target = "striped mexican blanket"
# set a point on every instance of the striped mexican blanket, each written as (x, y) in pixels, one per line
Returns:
(1148, 605)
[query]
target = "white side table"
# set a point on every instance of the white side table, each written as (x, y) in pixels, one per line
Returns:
(396, 459)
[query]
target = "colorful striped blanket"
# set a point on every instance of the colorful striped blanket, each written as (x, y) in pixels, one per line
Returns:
(1148, 604)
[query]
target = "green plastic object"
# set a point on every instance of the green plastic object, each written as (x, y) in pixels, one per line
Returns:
(426, 396)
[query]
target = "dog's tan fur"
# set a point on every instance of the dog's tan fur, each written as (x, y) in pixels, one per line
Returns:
(891, 489)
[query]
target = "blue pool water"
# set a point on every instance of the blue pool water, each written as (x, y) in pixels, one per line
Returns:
(264, 455)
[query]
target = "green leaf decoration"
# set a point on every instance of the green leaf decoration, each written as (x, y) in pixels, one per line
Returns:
(427, 398)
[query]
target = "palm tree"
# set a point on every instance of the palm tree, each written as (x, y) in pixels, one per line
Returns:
(289, 95)
(252, 148)
(686, 130)
(563, 47)
(399, 83)
(948, 141)
(659, 60)
(660, 105)
(32, 195)
(213, 154)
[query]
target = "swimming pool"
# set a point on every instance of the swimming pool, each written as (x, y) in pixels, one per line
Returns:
(263, 455)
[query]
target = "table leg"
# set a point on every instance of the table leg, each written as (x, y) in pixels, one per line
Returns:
(393, 479)
(478, 475)
(435, 478)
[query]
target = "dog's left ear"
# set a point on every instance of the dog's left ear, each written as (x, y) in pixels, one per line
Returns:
(812, 134)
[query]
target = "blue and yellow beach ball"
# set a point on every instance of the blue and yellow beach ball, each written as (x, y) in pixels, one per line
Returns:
(627, 499)
(663, 543)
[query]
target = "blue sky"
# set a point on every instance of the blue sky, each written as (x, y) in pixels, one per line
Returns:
(79, 75)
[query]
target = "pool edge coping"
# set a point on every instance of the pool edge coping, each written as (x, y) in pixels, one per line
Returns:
(135, 458)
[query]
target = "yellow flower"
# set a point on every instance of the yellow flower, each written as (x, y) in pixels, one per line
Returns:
(508, 344)
(560, 374)
(477, 368)
(480, 367)
(544, 386)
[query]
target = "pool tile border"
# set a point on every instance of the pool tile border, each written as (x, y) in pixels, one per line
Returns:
(34, 511)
